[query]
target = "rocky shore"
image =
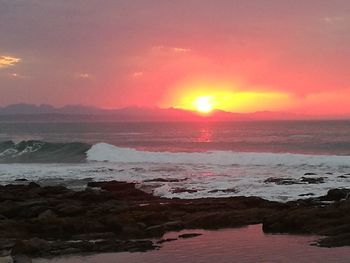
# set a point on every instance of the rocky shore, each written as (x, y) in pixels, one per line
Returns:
(116, 216)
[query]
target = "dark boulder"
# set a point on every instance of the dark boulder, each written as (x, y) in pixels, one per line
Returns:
(70, 210)
(21, 180)
(184, 190)
(281, 181)
(336, 194)
(121, 190)
(335, 241)
(166, 180)
(312, 180)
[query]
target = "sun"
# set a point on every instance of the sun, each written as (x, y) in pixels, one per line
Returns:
(204, 104)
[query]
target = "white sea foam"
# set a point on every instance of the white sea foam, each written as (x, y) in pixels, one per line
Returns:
(204, 178)
(111, 153)
(210, 174)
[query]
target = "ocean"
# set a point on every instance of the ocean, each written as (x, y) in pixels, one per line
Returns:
(276, 160)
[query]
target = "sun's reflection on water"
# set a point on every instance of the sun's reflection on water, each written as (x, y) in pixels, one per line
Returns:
(205, 135)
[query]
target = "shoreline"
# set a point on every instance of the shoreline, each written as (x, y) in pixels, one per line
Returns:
(241, 244)
(115, 216)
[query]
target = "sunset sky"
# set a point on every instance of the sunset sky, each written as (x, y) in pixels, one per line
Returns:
(243, 56)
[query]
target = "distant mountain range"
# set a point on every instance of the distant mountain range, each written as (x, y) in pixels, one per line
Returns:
(30, 112)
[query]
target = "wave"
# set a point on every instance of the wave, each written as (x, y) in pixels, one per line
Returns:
(34, 151)
(110, 153)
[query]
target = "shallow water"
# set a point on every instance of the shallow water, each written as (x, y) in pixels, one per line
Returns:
(244, 245)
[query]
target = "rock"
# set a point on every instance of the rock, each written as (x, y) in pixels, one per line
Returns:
(21, 180)
(112, 223)
(161, 229)
(166, 240)
(308, 218)
(216, 220)
(30, 212)
(335, 241)
(336, 194)
(33, 185)
(310, 174)
(342, 176)
(121, 190)
(33, 203)
(118, 213)
(285, 222)
(29, 208)
(183, 190)
(291, 181)
(312, 180)
(51, 190)
(112, 185)
(70, 210)
(138, 169)
(308, 194)
(95, 236)
(6, 246)
(22, 259)
(230, 190)
(166, 180)
(6, 259)
(189, 235)
(281, 181)
(32, 246)
(47, 214)
(329, 173)
(93, 196)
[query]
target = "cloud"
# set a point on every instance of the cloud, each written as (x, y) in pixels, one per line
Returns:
(137, 74)
(170, 50)
(84, 76)
(334, 19)
(180, 50)
(8, 61)
(15, 75)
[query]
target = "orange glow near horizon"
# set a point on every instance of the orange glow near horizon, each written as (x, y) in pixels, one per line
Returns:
(204, 97)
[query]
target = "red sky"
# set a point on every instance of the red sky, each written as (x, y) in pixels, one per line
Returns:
(248, 55)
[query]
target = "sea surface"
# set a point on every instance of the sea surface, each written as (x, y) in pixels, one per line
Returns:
(182, 159)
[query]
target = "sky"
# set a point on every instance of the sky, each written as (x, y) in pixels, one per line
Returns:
(245, 56)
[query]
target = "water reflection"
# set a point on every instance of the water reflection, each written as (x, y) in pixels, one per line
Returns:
(244, 245)
(205, 135)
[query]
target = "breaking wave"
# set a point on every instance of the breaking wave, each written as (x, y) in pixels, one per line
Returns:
(110, 153)
(42, 152)
(34, 151)
(176, 174)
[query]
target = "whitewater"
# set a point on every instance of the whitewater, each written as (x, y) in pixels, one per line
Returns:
(182, 174)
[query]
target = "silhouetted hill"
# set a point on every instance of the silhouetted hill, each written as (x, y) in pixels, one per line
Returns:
(30, 112)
